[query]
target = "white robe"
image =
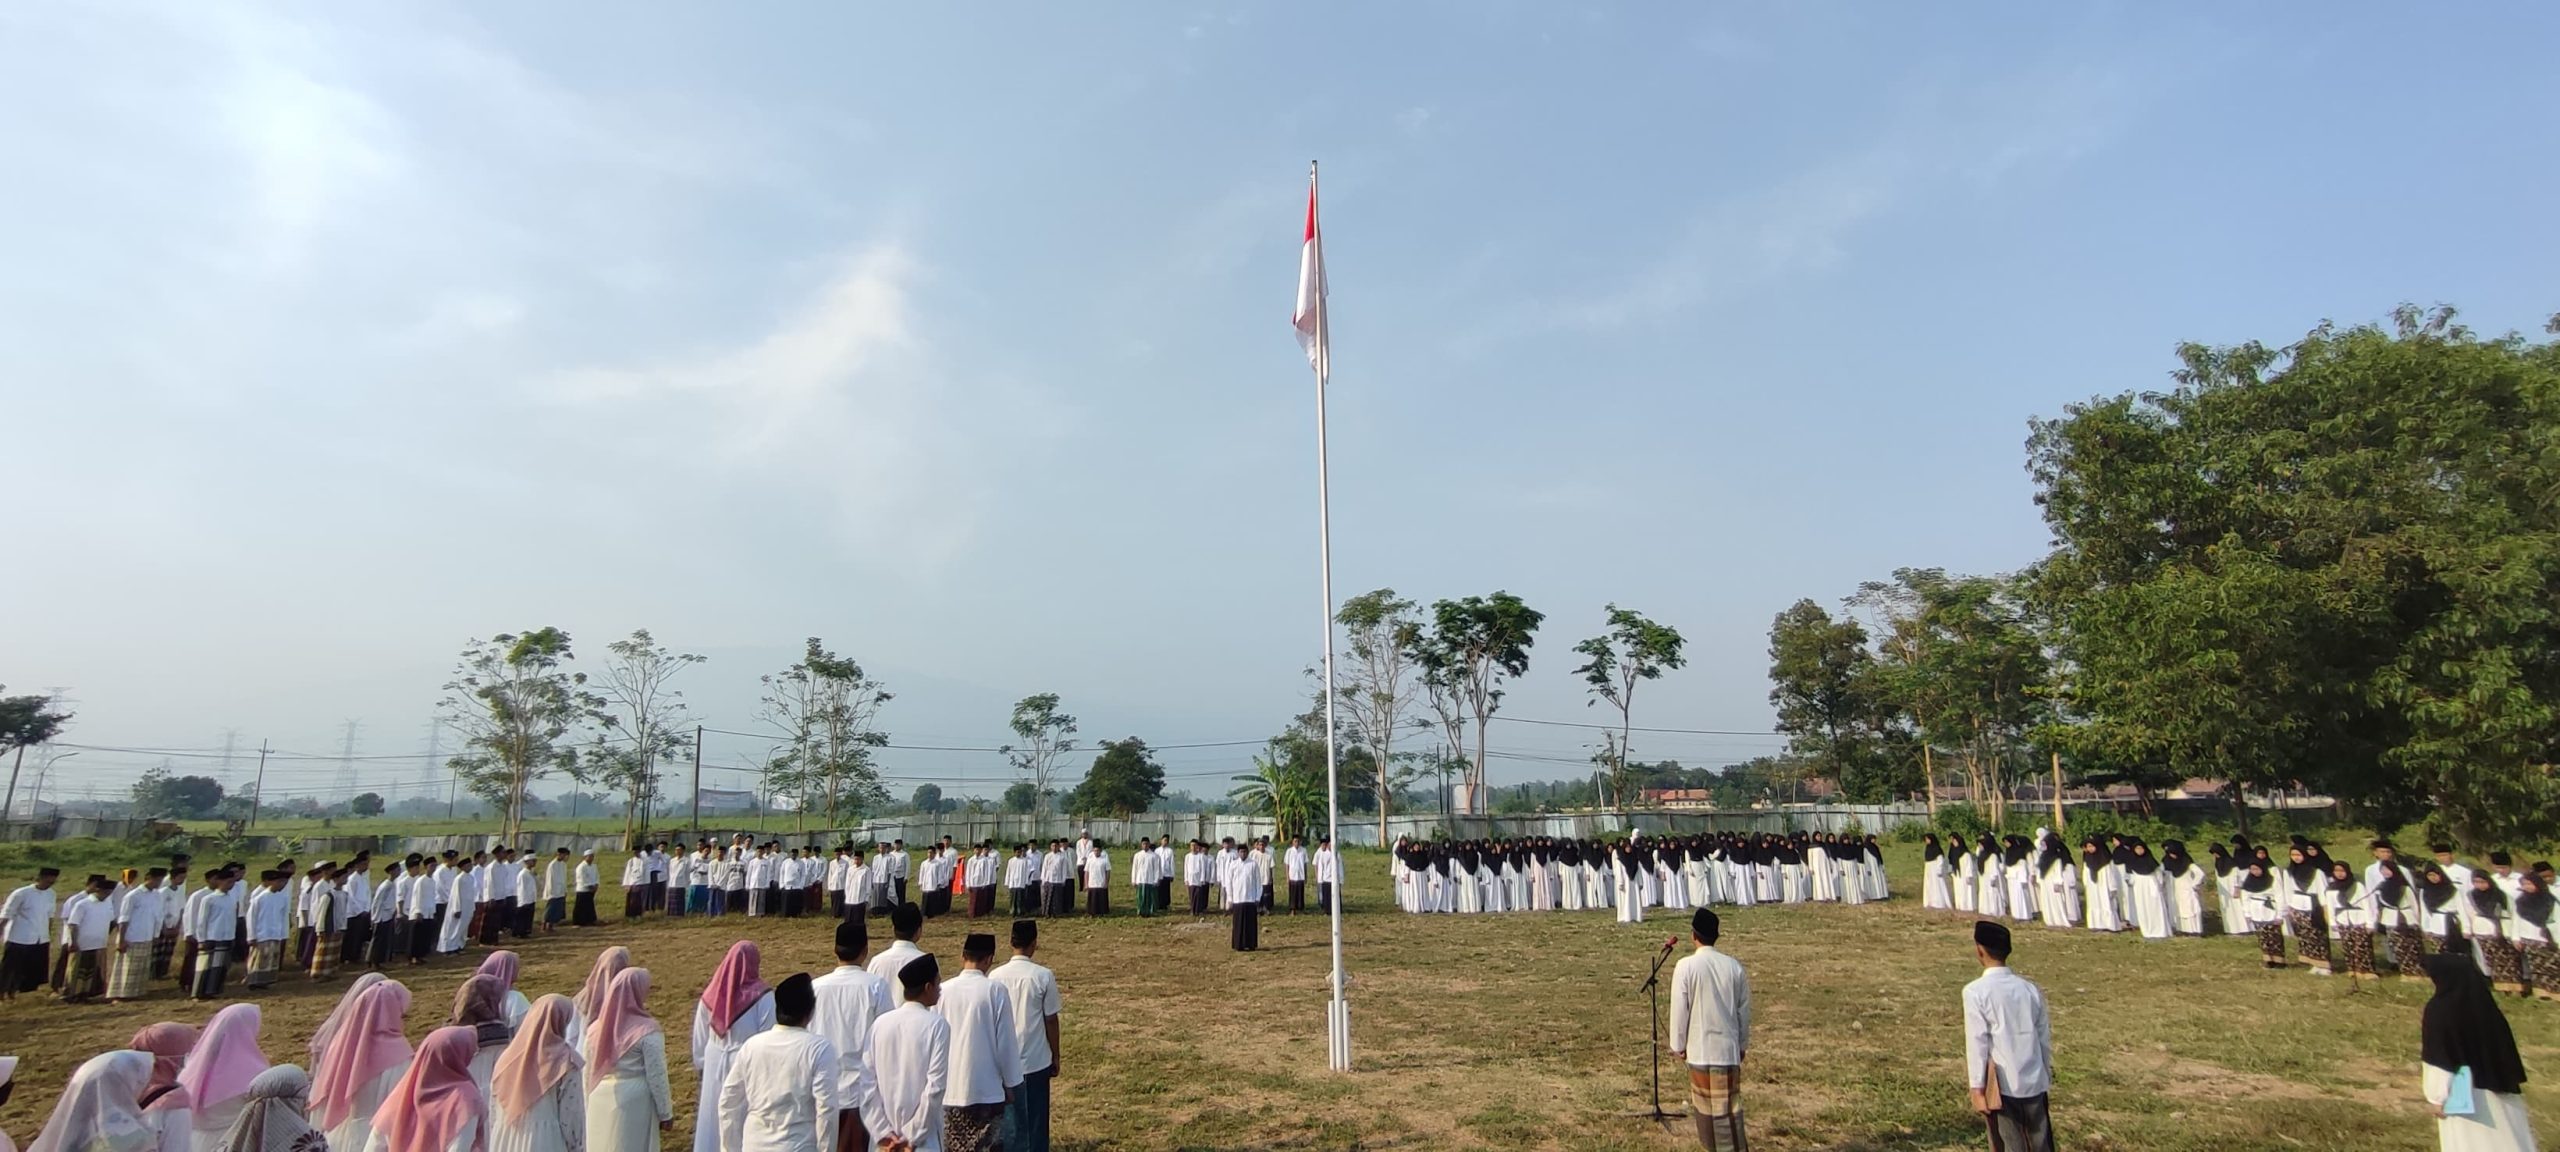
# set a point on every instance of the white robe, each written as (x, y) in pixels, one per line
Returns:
(357, 1130)
(467, 1140)
(556, 1123)
(1935, 891)
(628, 1104)
(711, 1056)
(1630, 899)
(2150, 903)
(2497, 1123)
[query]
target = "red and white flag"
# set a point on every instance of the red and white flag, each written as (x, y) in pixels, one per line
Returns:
(1309, 317)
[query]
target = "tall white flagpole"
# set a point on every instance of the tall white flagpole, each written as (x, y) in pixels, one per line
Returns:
(1337, 1010)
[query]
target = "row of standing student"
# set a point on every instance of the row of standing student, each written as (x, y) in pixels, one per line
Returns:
(881, 1052)
(2333, 915)
(1543, 874)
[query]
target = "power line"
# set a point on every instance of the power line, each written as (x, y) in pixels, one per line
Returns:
(1637, 728)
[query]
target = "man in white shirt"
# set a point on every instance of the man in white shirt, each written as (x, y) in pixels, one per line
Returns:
(1243, 884)
(1328, 873)
(907, 922)
(85, 929)
(910, 1059)
(850, 999)
(1710, 1031)
(460, 898)
(981, 880)
(898, 866)
(1164, 875)
(986, 1050)
(1097, 880)
(1294, 864)
(217, 929)
(1057, 880)
(1033, 989)
(1198, 872)
(267, 929)
(784, 1092)
(1019, 869)
(2008, 1047)
(137, 933)
(1142, 877)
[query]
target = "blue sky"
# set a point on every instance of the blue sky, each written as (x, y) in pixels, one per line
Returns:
(332, 336)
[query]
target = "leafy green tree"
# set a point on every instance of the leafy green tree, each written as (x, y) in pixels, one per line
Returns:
(1964, 659)
(365, 804)
(1123, 781)
(1046, 734)
(1477, 645)
(1632, 651)
(825, 710)
(1379, 690)
(2347, 547)
(1021, 799)
(647, 715)
(26, 721)
(515, 704)
(160, 793)
(928, 800)
(1286, 785)
(1834, 704)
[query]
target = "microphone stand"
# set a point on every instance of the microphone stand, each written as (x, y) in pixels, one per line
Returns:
(1653, 991)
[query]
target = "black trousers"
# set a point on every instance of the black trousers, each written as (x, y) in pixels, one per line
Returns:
(1022, 901)
(1245, 930)
(1297, 895)
(1164, 893)
(500, 914)
(358, 943)
(1324, 898)
(1097, 901)
(582, 911)
(1199, 899)
(902, 889)
(422, 938)
(982, 901)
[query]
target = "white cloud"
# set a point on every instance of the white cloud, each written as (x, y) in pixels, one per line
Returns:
(1944, 141)
(840, 402)
(1414, 121)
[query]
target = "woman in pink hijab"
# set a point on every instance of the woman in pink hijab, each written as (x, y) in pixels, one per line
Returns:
(164, 1104)
(503, 967)
(537, 1101)
(367, 1052)
(435, 1107)
(628, 1101)
(590, 999)
(733, 1009)
(217, 1073)
(338, 1015)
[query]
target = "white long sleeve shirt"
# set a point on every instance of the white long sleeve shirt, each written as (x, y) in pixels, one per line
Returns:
(1243, 882)
(1034, 992)
(910, 1059)
(1199, 868)
(1295, 860)
(781, 1093)
(1097, 870)
(2005, 1028)
(986, 1050)
(850, 1000)
(892, 960)
(1710, 1009)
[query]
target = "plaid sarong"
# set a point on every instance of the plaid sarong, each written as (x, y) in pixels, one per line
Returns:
(130, 975)
(324, 955)
(265, 957)
(972, 1127)
(1715, 1104)
(164, 948)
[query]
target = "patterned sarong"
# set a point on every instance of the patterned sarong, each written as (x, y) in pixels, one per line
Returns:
(265, 957)
(163, 949)
(2271, 943)
(2310, 939)
(972, 1127)
(2357, 943)
(2541, 965)
(131, 974)
(324, 955)
(1715, 1103)
(88, 976)
(2505, 969)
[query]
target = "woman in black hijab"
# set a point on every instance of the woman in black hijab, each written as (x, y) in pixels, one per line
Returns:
(2533, 926)
(2462, 1030)
(2440, 907)
(2484, 918)
(2304, 882)
(2350, 909)
(2396, 917)
(2258, 905)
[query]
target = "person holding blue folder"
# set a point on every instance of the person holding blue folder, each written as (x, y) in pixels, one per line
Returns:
(2474, 1077)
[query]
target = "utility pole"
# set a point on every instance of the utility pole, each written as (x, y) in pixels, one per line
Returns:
(697, 781)
(230, 745)
(258, 791)
(9, 805)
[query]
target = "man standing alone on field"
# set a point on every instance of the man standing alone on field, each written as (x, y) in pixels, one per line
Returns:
(2008, 1048)
(1710, 1030)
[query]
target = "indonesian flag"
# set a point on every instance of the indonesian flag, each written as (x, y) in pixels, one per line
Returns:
(1309, 317)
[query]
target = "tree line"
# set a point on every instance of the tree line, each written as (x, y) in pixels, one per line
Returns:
(2334, 564)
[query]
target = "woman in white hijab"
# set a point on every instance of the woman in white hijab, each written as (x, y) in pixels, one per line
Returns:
(276, 1116)
(101, 1109)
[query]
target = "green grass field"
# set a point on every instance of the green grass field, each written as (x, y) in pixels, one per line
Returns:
(1527, 1031)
